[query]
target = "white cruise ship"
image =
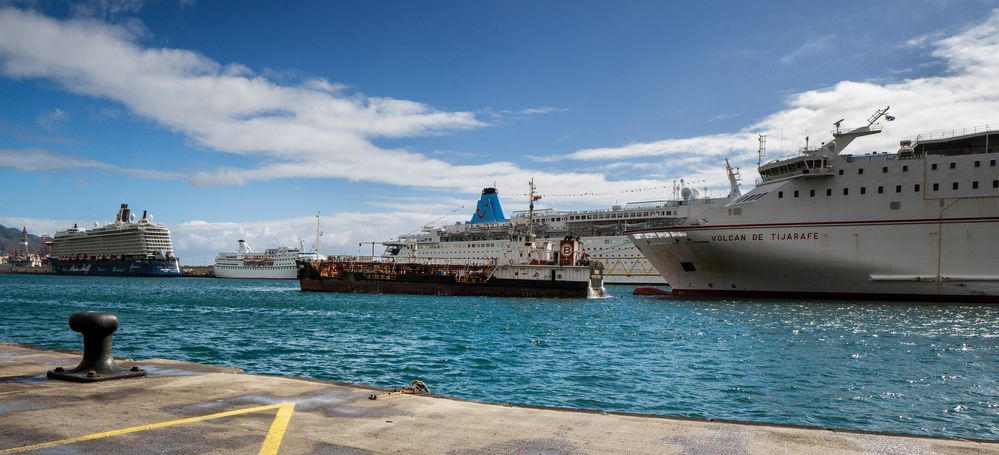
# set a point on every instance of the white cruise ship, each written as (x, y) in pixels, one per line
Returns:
(274, 263)
(916, 224)
(122, 247)
(601, 233)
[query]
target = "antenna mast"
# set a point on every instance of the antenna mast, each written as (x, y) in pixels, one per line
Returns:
(877, 115)
(733, 181)
(762, 150)
(318, 234)
(530, 208)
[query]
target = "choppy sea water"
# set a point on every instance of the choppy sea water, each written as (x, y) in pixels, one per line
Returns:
(928, 369)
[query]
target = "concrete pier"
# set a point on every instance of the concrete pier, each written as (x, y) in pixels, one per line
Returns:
(190, 408)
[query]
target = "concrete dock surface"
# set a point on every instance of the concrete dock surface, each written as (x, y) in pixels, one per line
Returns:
(189, 408)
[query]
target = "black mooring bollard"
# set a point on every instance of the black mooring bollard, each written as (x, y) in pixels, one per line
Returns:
(98, 364)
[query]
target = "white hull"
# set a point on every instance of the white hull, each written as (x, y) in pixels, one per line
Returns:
(655, 279)
(623, 262)
(267, 273)
(931, 260)
(272, 264)
(882, 227)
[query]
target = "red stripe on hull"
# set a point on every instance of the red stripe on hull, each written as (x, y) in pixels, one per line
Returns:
(990, 219)
(495, 288)
(713, 293)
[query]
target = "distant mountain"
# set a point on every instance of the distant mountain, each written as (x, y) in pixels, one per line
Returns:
(10, 240)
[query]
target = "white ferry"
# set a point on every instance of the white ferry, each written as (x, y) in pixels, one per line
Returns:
(916, 224)
(601, 232)
(274, 263)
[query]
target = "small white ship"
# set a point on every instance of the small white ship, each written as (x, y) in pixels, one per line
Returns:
(917, 224)
(274, 263)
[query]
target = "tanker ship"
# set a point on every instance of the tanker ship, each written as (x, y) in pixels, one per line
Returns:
(124, 247)
(525, 268)
(916, 224)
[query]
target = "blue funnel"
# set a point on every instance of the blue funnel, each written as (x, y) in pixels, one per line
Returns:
(489, 209)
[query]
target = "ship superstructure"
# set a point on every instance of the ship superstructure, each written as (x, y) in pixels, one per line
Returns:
(26, 261)
(601, 232)
(125, 246)
(916, 224)
(273, 263)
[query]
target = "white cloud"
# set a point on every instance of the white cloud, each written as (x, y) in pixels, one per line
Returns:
(106, 8)
(922, 40)
(222, 107)
(38, 160)
(310, 130)
(318, 130)
(53, 120)
(341, 233)
(521, 113)
(541, 110)
(716, 145)
(965, 95)
(808, 48)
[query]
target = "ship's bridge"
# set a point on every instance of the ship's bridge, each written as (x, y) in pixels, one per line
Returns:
(799, 166)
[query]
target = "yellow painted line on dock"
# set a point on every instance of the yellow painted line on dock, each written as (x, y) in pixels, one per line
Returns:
(270, 446)
(280, 424)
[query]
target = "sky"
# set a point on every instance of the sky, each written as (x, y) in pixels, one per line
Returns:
(242, 120)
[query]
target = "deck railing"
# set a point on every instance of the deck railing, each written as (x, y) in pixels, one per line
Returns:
(956, 132)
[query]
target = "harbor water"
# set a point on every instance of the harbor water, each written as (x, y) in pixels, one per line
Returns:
(926, 369)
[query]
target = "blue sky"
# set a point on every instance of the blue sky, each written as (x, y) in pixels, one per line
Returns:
(237, 120)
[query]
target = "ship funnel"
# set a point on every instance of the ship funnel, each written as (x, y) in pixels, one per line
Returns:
(488, 209)
(123, 214)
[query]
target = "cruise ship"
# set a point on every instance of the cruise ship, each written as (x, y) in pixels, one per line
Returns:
(273, 263)
(124, 247)
(915, 224)
(486, 235)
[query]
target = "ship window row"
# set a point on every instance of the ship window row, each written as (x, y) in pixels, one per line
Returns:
(605, 216)
(957, 185)
(933, 166)
(110, 246)
(467, 245)
(898, 189)
(884, 170)
(953, 165)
